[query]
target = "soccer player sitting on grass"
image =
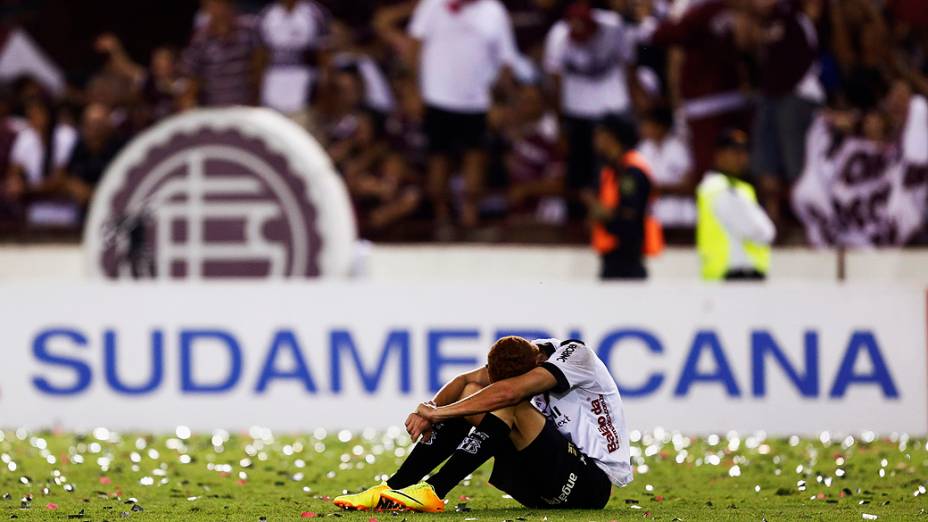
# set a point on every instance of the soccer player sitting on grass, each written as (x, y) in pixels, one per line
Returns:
(549, 413)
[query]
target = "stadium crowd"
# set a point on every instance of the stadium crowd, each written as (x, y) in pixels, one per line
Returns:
(474, 119)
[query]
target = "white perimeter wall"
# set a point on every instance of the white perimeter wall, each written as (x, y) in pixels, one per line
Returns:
(522, 263)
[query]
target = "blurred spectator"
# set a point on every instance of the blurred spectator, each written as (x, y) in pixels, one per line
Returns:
(787, 44)
(8, 131)
(733, 234)
(866, 173)
(8, 128)
(342, 112)
(464, 44)
(861, 44)
(671, 168)
(587, 55)
(531, 20)
(378, 96)
(222, 59)
(711, 76)
(96, 148)
(381, 186)
(405, 128)
(35, 178)
(619, 211)
(407, 98)
(162, 87)
(294, 34)
(534, 163)
(157, 90)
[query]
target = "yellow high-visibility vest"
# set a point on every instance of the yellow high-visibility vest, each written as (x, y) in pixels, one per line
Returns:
(712, 240)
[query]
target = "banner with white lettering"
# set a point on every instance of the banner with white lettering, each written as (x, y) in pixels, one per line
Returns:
(297, 356)
(857, 192)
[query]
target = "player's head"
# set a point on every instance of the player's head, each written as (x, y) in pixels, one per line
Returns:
(511, 356)
(732, 152)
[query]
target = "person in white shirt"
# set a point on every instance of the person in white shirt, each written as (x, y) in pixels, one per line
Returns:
(378, 95)
(671, 169)
(463, 45)
(549, 413)
(294, 34)
(36, 172)
(587, 55)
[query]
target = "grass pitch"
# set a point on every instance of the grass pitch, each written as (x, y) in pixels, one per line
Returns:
(258, 475)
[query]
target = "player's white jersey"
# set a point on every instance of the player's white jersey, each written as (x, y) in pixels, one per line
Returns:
(586, 407)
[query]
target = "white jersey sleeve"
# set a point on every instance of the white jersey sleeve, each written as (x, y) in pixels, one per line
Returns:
(573, 366)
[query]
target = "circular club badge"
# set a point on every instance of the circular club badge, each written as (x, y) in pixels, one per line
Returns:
(221, 193)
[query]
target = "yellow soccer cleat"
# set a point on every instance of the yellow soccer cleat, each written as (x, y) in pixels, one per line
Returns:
(418, 497)
(367, 500)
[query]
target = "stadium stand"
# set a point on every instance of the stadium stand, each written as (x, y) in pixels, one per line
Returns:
(832, 93)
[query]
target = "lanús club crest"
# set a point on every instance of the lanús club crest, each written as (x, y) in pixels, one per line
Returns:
(220, 194)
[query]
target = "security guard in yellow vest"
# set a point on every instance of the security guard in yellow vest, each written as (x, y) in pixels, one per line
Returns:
(733, 232)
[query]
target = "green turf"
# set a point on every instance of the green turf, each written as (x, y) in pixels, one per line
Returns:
(282, 477)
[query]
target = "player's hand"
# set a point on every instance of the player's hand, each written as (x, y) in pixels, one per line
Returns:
(426, 410)
(416, 427)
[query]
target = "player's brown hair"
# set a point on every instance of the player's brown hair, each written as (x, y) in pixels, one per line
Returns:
(509, 357)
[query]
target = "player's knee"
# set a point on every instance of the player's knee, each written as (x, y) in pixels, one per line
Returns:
(470, 389)
(507, 415)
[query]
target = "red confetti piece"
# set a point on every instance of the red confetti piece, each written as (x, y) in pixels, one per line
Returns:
(659, 498)
(52, 506)
(242, 482)
(372, 520)
(647, 514)
(463, 498)
(820, 495)
(308, 514)
(105, 480)
(326, 498)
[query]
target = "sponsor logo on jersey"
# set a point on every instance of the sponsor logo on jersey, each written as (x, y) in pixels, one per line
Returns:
(567, 352)
(606, 428)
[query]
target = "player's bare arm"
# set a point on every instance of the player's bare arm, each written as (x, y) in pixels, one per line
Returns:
(451, 392)
(496, 396)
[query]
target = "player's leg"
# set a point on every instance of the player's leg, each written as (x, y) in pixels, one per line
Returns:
(423, 458)
(547, 470)
(427, 454)
(496, 432)
(487, 438)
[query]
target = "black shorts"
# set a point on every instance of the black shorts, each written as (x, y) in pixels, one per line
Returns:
(551, 473)
(453, 132)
